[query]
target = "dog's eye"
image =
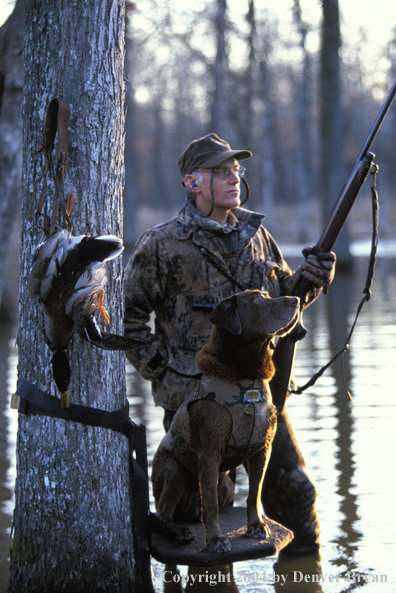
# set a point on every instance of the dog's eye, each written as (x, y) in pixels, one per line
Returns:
(257, 298)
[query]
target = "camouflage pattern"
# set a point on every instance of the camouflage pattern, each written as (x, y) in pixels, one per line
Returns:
(167, 274)
(253, 417)
(249, 403)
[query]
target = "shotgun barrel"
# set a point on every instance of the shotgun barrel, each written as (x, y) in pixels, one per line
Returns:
(285, 350)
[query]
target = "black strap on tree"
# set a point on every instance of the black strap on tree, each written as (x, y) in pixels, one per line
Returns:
(35, 401)
(366, 290)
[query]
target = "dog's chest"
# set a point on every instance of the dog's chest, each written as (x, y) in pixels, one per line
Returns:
(249, 405)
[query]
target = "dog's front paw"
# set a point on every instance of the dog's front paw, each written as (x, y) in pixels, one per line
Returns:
(258, 530)
(218, 544)
(184, 535)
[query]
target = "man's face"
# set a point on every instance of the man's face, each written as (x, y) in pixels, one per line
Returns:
(226, 191)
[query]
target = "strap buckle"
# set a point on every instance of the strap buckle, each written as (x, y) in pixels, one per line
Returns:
(252, 396)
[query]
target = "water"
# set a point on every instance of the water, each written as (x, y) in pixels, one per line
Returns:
(348, 447)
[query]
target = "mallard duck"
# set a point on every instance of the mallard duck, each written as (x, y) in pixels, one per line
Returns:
(67, 279)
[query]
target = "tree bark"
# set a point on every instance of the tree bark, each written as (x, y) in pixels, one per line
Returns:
(72, 520)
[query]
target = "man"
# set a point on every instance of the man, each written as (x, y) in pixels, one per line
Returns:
(180, 269)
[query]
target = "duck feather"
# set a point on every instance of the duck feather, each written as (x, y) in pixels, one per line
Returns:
(66, 277)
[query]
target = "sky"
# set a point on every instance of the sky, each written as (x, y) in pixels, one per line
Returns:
(378, 18)
(6, 7)
(377, 21)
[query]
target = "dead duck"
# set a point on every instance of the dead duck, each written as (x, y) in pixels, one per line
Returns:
(67, 280)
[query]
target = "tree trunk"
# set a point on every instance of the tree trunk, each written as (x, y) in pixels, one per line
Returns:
(72, 521)
(271, 180)
(331, 130)
(250, 133)
(304, 173)
(11, 76)
(131, 157)
(219, 105)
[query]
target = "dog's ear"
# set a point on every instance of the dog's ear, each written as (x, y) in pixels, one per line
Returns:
(225, 314)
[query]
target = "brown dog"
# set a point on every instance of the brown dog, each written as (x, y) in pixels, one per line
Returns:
(228, 420)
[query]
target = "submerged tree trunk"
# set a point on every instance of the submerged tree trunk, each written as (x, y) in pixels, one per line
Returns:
(331, 129)
(72, 523)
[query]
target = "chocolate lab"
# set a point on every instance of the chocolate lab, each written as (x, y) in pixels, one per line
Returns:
(228, 420)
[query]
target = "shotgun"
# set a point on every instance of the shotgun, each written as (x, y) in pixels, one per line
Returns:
(285, 350)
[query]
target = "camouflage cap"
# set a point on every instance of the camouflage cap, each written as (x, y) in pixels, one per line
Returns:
(208, 151)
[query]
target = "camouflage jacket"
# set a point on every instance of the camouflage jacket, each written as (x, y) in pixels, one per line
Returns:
(169, 274)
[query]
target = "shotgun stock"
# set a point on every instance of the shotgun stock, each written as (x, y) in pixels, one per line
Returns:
(285, 350)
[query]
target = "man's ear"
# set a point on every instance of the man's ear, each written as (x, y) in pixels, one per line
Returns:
(225, 314)
(190, 184)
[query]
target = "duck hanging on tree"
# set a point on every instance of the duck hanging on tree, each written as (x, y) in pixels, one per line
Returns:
(67, 279)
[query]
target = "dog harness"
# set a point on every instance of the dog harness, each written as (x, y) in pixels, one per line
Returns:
(249, 404)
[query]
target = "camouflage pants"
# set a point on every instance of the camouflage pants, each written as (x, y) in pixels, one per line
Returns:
(172, 388)
(289, 494)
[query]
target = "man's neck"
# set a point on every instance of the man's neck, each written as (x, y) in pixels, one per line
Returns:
(224, 218)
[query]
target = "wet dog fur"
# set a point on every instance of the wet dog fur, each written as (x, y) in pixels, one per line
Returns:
(240, 347)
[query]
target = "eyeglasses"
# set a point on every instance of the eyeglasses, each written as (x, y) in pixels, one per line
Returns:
(224, 172)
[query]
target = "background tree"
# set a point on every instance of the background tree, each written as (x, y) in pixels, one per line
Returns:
(131, 153)
(331, 129)
(261, 73)
(305, 186)
(11, 78)
(271, 183)
(73, 523)
(220, 69)
(245, 112)
(266, 77)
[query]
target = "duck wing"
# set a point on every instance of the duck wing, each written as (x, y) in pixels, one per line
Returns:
(67, 275)
(89, 252)
(61, 260)
(107, 341)
(43, 259)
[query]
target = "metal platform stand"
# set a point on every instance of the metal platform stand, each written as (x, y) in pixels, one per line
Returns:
(232, 523)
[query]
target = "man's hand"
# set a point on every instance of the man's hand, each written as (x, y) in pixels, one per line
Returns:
(318, 269)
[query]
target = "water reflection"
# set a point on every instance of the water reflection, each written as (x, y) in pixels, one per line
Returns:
(199, 579)
(339, 305)
(7, 445)
(348, 448)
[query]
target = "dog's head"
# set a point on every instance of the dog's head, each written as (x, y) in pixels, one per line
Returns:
(253, 315)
